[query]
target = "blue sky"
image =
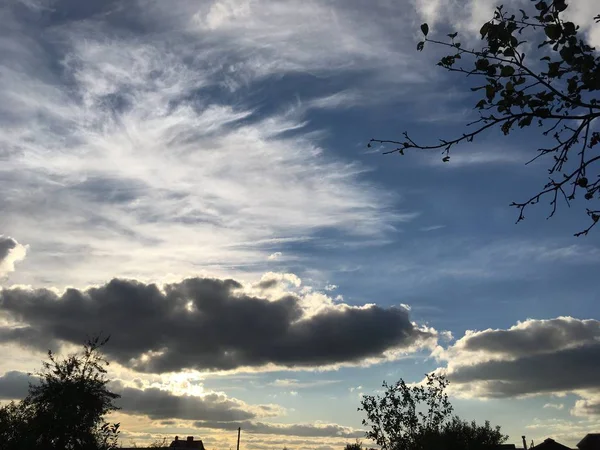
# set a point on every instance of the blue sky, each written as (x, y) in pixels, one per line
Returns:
(158, 142)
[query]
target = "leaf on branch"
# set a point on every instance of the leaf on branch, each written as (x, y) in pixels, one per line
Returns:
(525, 121)
(420, 46)
(507, 71)
(569, 29)
(485, 29)
(553, 31)
(482, 64)
(452, 35)
(425, 29)
(506, 126)
(560, 5)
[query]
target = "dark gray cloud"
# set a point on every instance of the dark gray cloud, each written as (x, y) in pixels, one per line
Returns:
(155, 403)
(303, 430)
(6, 245)
(14, 385)
(534, 357)
(538, 336)
(159, 404)
(203, 324)
(28, 337)
(210, 411)
(565, 370)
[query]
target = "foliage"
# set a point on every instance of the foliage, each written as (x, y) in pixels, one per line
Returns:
(65, 409)
(354, 446)
(462, 435)
(420, 418)
(15, 419)
(554, 87)
(159, 443)
(397, 418)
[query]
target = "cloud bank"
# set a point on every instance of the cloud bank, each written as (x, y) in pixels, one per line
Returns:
(305, 430)
(534, 357)
(212, 325)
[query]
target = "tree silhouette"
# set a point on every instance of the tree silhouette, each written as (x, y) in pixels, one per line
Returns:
(354, 446)
(395, 419)
(420, 418)
(65, 410)
(555, 87)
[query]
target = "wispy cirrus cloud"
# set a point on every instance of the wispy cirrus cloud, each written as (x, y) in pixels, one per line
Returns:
(121, 147)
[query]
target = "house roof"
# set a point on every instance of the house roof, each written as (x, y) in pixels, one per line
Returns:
(550, 444)
(590, 441)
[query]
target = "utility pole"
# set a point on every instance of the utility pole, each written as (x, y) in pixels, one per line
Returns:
(239, 431)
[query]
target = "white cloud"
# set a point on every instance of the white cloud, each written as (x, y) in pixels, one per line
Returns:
(433, 227)
(286, 36)
(566, 431)
(294, 383)
(490, 156)
(558, 406)
(588, 405)
(11, 252)
(274, 256)
(469, 15)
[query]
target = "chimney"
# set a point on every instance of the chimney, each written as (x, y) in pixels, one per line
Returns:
(190, 439)
(524, 442)
(176, 438)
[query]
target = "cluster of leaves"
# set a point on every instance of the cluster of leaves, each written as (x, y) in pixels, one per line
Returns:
(395, 419)
(458, 434)
(356, 446)
(65, 410)
(556, 89)
(420, 418)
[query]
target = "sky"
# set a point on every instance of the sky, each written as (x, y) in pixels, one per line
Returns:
(192, 178)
